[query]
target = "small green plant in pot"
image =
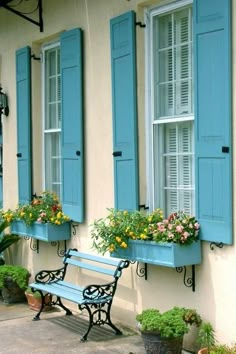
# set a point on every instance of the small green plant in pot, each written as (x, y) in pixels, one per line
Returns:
(13, 282)
(206, 337)
(164, 332)
(34, 300)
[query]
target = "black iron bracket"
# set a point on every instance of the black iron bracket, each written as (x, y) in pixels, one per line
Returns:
(141, 271)
(60, 253)
(188, 281)
(34, 245)
(217, 244)
(38, 23)
(74, 226)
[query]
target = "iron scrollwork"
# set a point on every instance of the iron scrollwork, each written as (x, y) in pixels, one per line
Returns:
(217, 244)
(188, 281)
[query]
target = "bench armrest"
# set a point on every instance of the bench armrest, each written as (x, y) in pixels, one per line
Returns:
(50, 276)
(98, 292)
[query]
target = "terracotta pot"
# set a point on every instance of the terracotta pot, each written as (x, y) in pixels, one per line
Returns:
(203, 351)
(35, 302)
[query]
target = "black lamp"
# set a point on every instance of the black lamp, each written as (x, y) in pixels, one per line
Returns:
(4, 109)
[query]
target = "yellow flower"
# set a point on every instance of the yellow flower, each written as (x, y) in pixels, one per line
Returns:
(123, 245)
(143, 237)
(22, 213)
(111, 248)
(118, 239)
(59, 215)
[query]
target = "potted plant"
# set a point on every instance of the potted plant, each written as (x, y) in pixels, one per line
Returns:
(148, 238)
(13, 282)
(206, 337)
(34, 300)
(164, 332)
(42, 219)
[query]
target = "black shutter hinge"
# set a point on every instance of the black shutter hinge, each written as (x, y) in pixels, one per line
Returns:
(140, 24)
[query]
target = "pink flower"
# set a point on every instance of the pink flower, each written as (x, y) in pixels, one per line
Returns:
(179, 228)
(161, 227)
(196, 226)
(186, 235)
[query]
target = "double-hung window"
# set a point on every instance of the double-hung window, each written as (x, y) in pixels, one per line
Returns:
(171, 102)
(52, 118)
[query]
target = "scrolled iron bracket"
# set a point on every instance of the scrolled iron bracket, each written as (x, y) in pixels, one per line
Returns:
(34, 244)
(74, 226)
(217, 244)
(141, 271)
(188, 281)
(60, 253)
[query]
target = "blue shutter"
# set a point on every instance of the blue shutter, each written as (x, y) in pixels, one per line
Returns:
(212, 37)
(124, 111)
(23, 97)
(72, 125)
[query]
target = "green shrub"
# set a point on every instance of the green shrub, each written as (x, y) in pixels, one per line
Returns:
(17, 273)
(169, 324)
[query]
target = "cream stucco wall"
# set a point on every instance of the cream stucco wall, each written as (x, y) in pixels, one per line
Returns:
(215, 293)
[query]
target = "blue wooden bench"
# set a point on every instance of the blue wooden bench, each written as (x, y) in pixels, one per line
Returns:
(95, 298)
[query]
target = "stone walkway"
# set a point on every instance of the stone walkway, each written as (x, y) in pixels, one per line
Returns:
(57, 333)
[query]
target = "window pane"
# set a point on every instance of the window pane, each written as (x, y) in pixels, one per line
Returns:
(172, 64)
(53, 162)
(52, 124)
(173, 150)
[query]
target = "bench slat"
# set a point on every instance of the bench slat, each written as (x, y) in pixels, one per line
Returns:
(61, 291)
(92, 257)
(91, 267)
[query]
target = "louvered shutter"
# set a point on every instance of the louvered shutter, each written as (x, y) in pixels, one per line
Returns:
(72, 124)
(24, 149)
(213, 129)
(124, 111)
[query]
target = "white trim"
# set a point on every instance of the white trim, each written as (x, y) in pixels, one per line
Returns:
(149, 109)
(169, 7)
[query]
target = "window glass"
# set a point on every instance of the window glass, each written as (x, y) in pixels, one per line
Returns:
(52, 119)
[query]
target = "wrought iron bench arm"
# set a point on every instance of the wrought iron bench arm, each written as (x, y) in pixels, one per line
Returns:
(99, 292)
(50, 276)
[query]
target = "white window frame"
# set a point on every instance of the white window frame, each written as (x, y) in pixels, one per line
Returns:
(150, 13)
(45, 48)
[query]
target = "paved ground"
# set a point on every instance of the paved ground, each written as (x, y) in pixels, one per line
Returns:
(57, 333)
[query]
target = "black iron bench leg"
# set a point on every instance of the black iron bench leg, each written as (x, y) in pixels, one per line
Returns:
(68, 312)
(98, 317)
(37, 317)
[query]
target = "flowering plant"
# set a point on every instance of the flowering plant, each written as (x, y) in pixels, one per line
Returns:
(43, 209)
(121, 226)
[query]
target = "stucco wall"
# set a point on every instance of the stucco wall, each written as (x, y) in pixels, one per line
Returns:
(215, 293)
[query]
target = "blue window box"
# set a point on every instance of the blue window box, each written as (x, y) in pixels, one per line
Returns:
(45, 232)
(163, 254)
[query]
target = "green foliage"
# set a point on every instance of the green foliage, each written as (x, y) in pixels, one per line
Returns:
(172, 323)
(206, 335)
(223, 349)
(36, 294)
(120, 226)
(6, 240)
(44, 209)
(17, 273)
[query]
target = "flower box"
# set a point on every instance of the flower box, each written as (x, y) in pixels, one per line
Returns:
(44, 232)
(163, 254)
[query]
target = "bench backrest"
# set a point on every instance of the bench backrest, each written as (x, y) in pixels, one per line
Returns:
(99, 264)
